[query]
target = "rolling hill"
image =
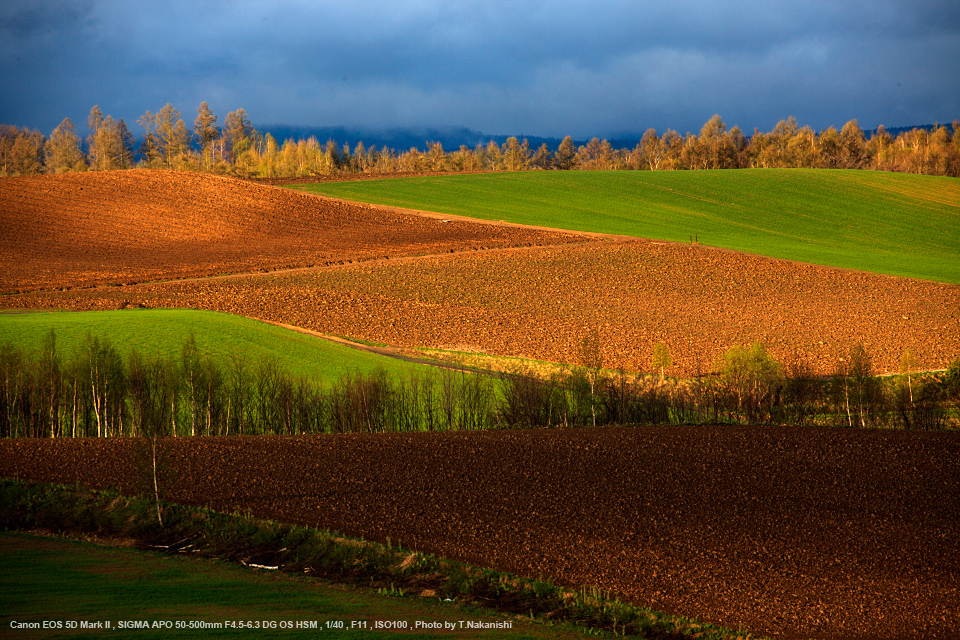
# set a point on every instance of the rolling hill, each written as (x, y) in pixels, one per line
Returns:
(122, 227)
(895, 224)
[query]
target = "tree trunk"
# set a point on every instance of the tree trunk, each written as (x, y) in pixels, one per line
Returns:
(846, 397)
(156, 490)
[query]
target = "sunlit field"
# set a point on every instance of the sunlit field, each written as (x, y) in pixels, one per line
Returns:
(897, 224)
(163, 332)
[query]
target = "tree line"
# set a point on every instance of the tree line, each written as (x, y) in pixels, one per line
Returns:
(166, 143)
(236, 148)
(97, 392)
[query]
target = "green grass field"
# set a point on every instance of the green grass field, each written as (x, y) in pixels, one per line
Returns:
(164, 331)
(65, 582)
(898, 224)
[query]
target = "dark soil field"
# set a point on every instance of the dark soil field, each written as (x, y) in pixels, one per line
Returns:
(798, 533)
(84, 229)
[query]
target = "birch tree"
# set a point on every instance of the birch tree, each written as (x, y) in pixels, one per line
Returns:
(591, 358)
(661, 358)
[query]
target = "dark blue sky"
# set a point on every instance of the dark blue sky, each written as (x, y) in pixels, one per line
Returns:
(583, 68)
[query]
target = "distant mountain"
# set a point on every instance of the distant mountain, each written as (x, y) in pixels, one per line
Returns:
(895, 131)
(402, 139)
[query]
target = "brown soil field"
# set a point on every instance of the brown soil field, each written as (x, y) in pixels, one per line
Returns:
(540, 302)
(74, 230)
(797, 533)
(83, 229)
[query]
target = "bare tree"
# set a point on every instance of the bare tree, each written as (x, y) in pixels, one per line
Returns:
(239, 132)
(908, 362)
(152, 384)
(566, 156)
(206, 131)
(63, 149)
(861, 374)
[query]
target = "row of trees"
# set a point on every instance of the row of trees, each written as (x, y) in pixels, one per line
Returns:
(165, 143)
(237, 148)
(98, 393)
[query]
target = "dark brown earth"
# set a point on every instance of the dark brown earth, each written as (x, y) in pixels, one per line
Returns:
(798, 533)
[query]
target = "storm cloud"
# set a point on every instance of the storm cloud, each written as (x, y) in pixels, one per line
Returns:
(537, 68)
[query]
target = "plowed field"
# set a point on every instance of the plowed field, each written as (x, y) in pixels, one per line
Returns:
(541, 302)
(129, 226)
(83, 229)
(820, 533)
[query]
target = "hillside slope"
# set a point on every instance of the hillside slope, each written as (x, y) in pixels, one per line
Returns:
(83, 229)
(163, 333)
(895, 224)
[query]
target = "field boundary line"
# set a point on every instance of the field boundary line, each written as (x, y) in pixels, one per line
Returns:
(388, 351)
(461, 218)
(613, 238)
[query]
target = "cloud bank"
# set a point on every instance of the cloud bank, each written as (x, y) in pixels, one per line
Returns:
(536, 68)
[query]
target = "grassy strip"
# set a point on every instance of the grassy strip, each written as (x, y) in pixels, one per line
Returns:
(220, 335)
(898, 224)
(302, 550)
(72, 584)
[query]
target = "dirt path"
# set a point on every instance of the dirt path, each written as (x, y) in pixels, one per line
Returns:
(386, 351)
